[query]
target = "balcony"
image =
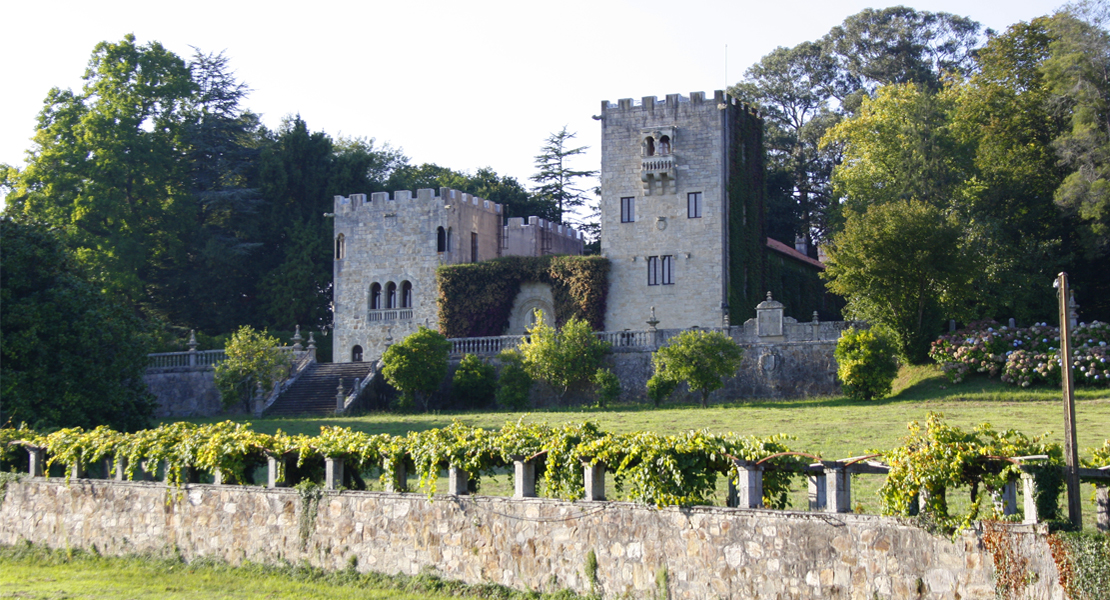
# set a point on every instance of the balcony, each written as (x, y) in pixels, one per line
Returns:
(389, 314)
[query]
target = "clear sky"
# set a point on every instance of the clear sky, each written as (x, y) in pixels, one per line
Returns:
(460, 83)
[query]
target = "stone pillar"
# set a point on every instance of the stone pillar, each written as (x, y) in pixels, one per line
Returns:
(340, 398)
(1008, 498)
(77, 470)
(768, 315)
(120, 473)
(297, 340)
(311, 347)
(396, 482)
(259, 400)
(456, 481)
(149, 469)
(192, 348)
(217, 476)
(333, 473)
(36, 461)
(749, 487)
(524, 479)
(1029, 494)
(1102, 507)
(272, 472)
(818, 497)
(838, 488)
(594, 476)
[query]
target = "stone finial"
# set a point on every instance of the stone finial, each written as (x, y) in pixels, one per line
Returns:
(769, 296)
(816, 319)
(311, 341)
(192, 340)
(297, 339)
(388, 337)
(652, 321)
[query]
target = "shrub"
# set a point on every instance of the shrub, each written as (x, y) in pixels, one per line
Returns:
(417, 365)
(700, 358)
(608, 387)
(867, 363)
(253, 360)
(515, 383)
(475, 382)
(562, 358)
(1025, 356)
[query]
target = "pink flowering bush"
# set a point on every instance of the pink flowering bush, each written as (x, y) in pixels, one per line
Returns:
(1024, 356)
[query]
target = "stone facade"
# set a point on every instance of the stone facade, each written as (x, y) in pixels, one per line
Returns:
(185, 392)
(387, 250)
(707, 552)
(665, 209)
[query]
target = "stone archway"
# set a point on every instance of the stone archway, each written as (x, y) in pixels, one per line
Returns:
(532, 297)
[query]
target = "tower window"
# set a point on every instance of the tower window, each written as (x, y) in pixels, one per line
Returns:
(340, 247)
(406, 294)
(628, 210)
(441, 240)
(356, 354)
(660, 270)
(473, 246)
(693, 205)
(375, 296)
(391, 295)
(649, 146)
(665, 145)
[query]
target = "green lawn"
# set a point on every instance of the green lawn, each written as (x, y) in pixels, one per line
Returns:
(28, 572)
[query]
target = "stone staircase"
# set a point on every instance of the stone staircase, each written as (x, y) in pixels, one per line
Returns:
(313, 393)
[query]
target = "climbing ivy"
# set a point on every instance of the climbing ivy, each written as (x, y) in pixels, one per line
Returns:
(476, 299)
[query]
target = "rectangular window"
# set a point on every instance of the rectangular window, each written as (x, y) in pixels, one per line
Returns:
(660, 270)
(628, 210)
(473, 247)
(693, 205)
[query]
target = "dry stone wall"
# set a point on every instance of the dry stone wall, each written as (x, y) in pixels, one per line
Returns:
(707, 552)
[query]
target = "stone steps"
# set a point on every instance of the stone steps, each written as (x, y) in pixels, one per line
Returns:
(315, 390)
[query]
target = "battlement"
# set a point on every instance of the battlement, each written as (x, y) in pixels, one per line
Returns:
(718, 100)
(516, 223)
(447, 197)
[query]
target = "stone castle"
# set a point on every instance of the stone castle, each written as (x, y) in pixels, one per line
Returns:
(681, 218)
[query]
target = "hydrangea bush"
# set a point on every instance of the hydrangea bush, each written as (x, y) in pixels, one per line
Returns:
(1024, 356)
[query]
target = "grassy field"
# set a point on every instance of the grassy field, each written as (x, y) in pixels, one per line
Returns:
(35, 573)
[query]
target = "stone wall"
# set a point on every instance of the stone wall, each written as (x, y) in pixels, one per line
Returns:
(538, 237)
(707, 552)
(185, 392)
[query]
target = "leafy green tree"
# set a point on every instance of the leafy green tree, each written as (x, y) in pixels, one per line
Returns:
(904, 264)
(866, 362)
(562, 358)
(72, 355)
(701, 359)
(417, 365)
(253, 361)
(556, 180)
(514, 383)
(475, 382)
(608, 387)
(106, 168)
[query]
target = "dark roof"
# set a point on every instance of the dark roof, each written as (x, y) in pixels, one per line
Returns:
(782, 248)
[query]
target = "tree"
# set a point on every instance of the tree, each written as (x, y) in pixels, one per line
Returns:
(555, 179)
(72, 356)
(562, 358)
(700, 358)
(904, 264)
(253, 361)
(106, 167)
(475, 382)
(514, 383)
(866, 363)
(417, 365)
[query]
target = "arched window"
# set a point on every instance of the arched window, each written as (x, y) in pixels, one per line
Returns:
(340, 247)
(356, 354)
(649, 146)
(665, 145)
(441, 240)
(406, 294)
(375, 296)
(391, 295)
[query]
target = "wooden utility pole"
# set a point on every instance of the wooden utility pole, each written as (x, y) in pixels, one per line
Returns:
(1071, 452)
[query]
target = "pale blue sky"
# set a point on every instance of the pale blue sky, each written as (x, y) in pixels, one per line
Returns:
(463, 84)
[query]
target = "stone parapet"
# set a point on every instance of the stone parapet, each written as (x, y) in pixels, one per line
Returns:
(707, 552)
